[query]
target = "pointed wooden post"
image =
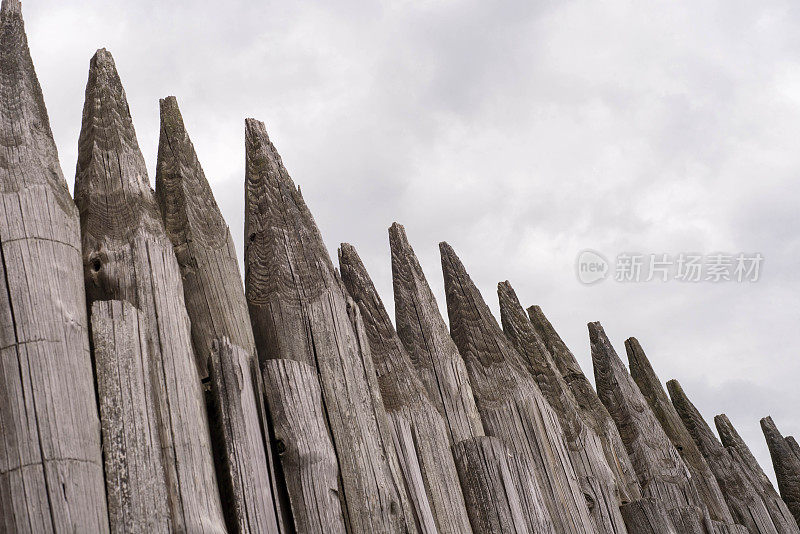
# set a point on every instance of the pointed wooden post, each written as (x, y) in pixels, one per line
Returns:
(787, 466)
(51, 470)
(650, 386)
(221, 329)
(510, 403)
(661, 470)
(484, 464)
(298, 309)
(595, 413)
(418, 430)
(128, 256)
(743, 499)
(584, 446)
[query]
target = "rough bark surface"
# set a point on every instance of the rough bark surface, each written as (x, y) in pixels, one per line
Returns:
(650, 386)
(595, 413)
(299, 312)
(793, 445)
(304, 446)
(743, 499)
(217, 308)
(128, 256)
(51, 471)
(511, 405)
(787, 466)
(584, 446)
(138, 496)
(418, 429)
(662, 473)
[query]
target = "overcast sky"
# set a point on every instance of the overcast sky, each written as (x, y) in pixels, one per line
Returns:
(520, 132)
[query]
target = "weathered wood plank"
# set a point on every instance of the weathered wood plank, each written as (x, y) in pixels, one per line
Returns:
(304, 446)
(744, 501)
(509, 401)
(650, 386)
(298, 310)
(128, 256)
(51, 471)
(215, 302)
(137, 491)
(793, 445)
(595, 413)
(663, 475)
(585, 448)
(786, 464)
(648, 516)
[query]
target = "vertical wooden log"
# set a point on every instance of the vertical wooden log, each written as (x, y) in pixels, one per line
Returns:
(417, 427)
(425, 336)
(793, 445)
(298, 309)
(787, 466)
(128, 256)
(743, 499)
(51, 472)
(648, 516)
(510, 403)
(135, 484)
(663, 475)
(650, 386)
(594, 411)
(217, 308)
(584, 446)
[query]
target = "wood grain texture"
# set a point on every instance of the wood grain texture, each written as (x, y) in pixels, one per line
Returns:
(648, 516)
(215, 302)
(511, 405)
(786, 464)
(304, 445)
(595, 413)
(51, 471)
(650, 386)
(793, 445)
(418, 429)
(744, 501)
(299, 311)
(128, 256)
(663, 475)
(585, 448)
(138, 496)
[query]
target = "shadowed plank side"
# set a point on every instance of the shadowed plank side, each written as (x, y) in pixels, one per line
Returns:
(138, 499)
(744, 502)
(595, 413)
(663, 475)
(51, 471)
(128, 256)
(417, 427)
(647, 516)
(793, 445)
(787, 466)
(510, 403)
(298, 309)
(215, 302)
(584, 446)
(650, 386)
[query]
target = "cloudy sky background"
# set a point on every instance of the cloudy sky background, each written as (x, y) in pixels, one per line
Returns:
(520, 132)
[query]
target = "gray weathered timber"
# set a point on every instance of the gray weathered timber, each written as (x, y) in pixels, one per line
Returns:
(128, 256)
(584, 446)
(650, 386)
(787, 466)
(793, 445)
(744, 501)
(734, 443)
(304, 446)
(418, 429)
(51, 471)
(595, 413)
(298, 310)
(215, 302)
(138, 496)
(648, 516)
(444, 374)
(509, 401)
(663, 475)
